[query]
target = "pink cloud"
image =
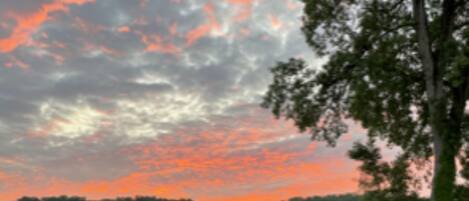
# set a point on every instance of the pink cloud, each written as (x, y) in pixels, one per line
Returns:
(205, 164)
(275, 22)
(28, 24)
(203, 30)
(156, 43)
(123, 29)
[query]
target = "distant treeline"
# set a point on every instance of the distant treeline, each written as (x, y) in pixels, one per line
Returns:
(75, 198)
(346, 197)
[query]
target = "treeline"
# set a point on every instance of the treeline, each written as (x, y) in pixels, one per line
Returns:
(345, 197)
(76, 198)
(461, 194)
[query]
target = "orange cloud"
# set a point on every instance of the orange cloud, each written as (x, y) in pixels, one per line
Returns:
(203, 30)
(242, 160)
(210, 11)
(155, 43)
(275, 22)
(306, 180)
(197, 33)
(123, 29)
(28, 24)
(227, 159)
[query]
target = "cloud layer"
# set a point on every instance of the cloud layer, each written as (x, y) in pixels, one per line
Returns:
(103, 98)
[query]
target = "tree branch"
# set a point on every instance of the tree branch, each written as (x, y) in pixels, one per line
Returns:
(424, 43)
(393, 29)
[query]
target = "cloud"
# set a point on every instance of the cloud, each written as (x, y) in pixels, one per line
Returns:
(276, 23)
(156, 44)
(204, 29)
(234, 160)
(115, 98)
(27, 25)
(244, 9)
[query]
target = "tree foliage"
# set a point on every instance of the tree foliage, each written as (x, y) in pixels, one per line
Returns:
(398, 67)
(345, 197)
(58, 198)
(384, 181)
(74, 198)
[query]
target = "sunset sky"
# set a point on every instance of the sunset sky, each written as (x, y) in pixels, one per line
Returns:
(106, 98)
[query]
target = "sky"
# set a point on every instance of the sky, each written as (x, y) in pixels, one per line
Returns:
(106, 98)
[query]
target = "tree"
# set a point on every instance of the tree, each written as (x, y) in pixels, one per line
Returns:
(63, 198)
(25, 198)
(389, 181)
(74, 198)
(399, 67)
(345, 197)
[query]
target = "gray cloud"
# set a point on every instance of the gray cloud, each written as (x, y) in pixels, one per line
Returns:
(91, 92)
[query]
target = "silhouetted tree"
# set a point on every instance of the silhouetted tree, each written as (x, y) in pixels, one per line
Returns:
(63, 198)
(387, 181)
(149, 198)
(124, 199)
(66, 198)
(346, 197)
(399, 67)
(29, 199)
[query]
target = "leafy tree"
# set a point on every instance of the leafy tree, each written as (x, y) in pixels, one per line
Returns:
(149, 198)
(66, 198)
(124, 199)
(345, 197)
(63, 198)
(389, 181)
(29, 199)
(399, 67)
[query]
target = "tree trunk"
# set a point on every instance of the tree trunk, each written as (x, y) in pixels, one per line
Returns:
(442, 128)
(444, 170)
